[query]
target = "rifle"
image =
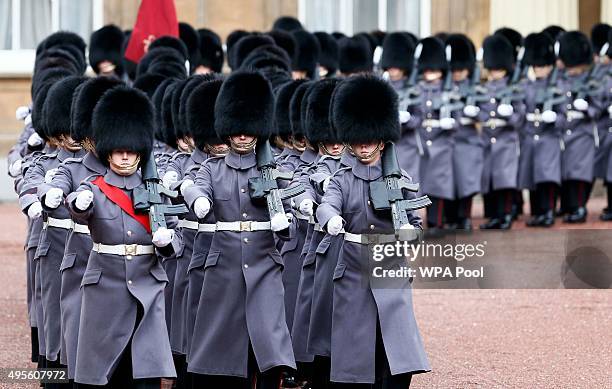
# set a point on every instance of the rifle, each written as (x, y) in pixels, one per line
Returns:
(553, 94)
(476, 92)
(266, 186)
(149, 198)
(590, 86)
(510, 93)
(414, 95)
(387, 194)
(449, 101)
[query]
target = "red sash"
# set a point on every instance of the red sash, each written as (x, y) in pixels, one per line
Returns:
(122, 200)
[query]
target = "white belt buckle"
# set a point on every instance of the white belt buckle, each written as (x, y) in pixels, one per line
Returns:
(131, 249)
(245, 226)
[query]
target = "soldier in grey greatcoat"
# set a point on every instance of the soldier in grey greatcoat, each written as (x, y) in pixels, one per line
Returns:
(243, 335)
(582, 107)
(69, 175)
(500, 115)
(540, 159)
(375, 337)
(123, 340)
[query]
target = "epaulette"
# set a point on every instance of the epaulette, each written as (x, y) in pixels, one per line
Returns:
(73, 160)
(180, 154)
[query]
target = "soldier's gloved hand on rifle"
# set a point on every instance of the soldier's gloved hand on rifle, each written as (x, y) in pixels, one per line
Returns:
(549, 116)
(22, 112)
(471, 111)
(28, 120)
(83, 200)
(279, 222)
(404, 116)
(184, 185)
(170, 178)
(201, 206)
(505, 110)
(49, 175)
(610, 110)
(162, 237)
(447, 123)
(35, 140)
(15, 168)
(306, 207)
(54, 197)
(334, 225)
(35, 210)
(407, 227)
(581, 104)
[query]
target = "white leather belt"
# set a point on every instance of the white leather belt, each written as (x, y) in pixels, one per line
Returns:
(189, 224)
(66, 224)
(243, 226)
(534, 117)
(466, 121)
(368, 238)
(317, 227)
(493, 123)
(574, 115)
(433, 123)
(206, 227)
(123, 249)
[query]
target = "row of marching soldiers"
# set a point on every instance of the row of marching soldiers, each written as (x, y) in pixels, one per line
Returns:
(258, 282)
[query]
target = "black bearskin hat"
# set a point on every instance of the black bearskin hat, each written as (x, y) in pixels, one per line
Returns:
(575, 49)
(148, 83)
(179, 117)
(498, 53)
(433, 55)
(230, 43)
(539, 50)
(355, 55)
(84, 103)
(364, 109)
(317, 121)
(282, 119)
(599, 36)
(200, 111)
(462, 52)
(56, 110)
(398, 51)
(171, 42)
(211, 50)
(105, 44)
(514, 37)
(308, 51)
(191, 39)
(246, 45)
(159, 54)
(123, 120)
(245, 105)
(554, 31)
(286, 41)
(287, 23)
(165, 130)
(295, 108)
(329, 58)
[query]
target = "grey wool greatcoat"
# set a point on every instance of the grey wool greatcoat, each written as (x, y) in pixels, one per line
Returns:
(540, 159)
(603, 161)
(301, 318)
(178, 337)
(291, 250)
(50, 253)
(242, 298)
(201, 245)
(468, 155)
(436, 175)
(357, 305)
(580, 136)
(501, 138)
(68, 178)
(123, 296)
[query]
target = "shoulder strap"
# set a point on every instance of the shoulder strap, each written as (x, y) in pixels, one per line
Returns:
(122, 200)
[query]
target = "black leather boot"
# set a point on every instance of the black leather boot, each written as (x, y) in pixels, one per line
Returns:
(578, 216)
(492, 224)
(506, 222)
(548, 219)
(606, 215)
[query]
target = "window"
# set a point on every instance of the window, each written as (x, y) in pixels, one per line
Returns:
(353, 16)
(24, 23)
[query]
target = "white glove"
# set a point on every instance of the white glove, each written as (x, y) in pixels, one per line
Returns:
(186, 184)
(35, 140)
(326, 184)
(35, 210)
(447, 123)
(22, 112)
(28, 120)
(201, 207)
(49, 175)
(334, 225)
(306, 207)
(83, 200)
(505, 110)
(471, 111)
(549, 116)
(15, 168)
(169, 178)
(407, 227)
(279, 222)
(54, 197)
(610, 110)
(404, 116)
(162, 237)
(581, 104)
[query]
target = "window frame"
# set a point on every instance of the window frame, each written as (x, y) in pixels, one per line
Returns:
(18, 62)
